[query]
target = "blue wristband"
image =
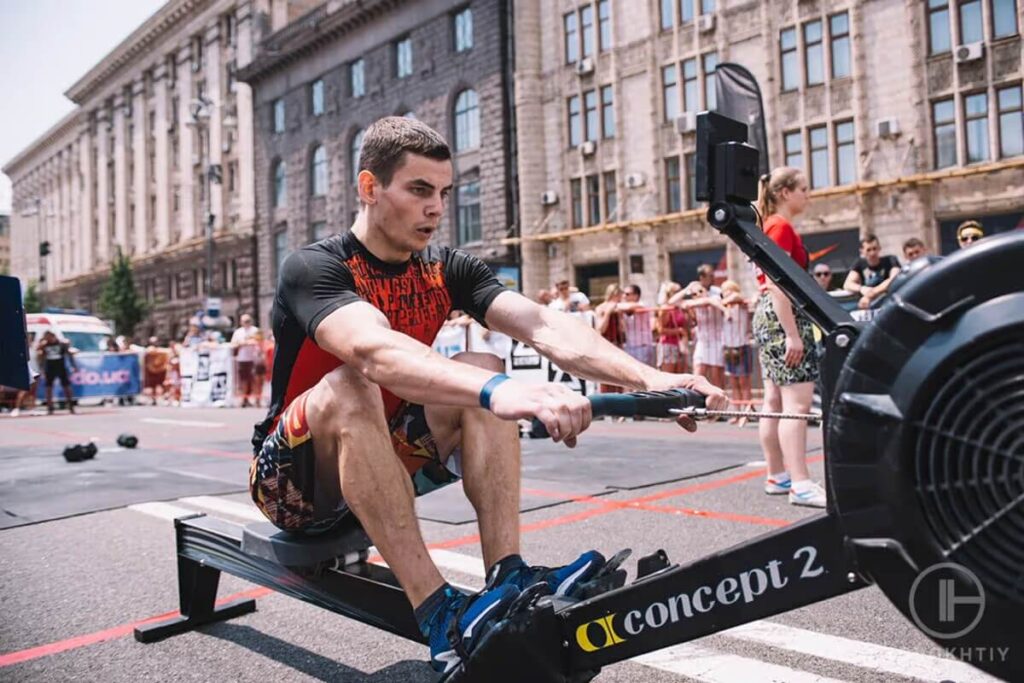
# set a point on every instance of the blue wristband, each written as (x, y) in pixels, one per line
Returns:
(488, 389)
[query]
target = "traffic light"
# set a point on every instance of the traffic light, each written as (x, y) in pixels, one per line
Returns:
(44, 248)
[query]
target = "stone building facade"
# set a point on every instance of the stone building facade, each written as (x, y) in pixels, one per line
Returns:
(161, 141)
(906, 116)
(321, 80)
(5, 244)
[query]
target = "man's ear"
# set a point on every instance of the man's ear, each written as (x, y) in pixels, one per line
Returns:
(368, 187)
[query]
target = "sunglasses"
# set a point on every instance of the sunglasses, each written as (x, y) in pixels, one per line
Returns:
(823, 273)
(969, 238)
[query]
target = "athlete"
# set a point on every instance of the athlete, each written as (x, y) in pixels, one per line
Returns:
(364, 415)
(56, 354)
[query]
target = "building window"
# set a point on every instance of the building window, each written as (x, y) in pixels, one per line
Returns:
(279, 115)
(1011, 123)
(467, 201)
(938, 27)
(691, 180)
(464, 30)
(813, 55)
(572, 45)
(604, 23)
(819, 156)
(357, 77)
(944, 122)
(970, 22)
(686, 11)
(403, 58)
(839, 30)
(790, 66)
(607, 111)
(1004, 18)
(587, 29)
(668, 14)
(846, 154)
(280, 185)
(590, 112)
(319, 230)
(467, 121)
(707, 6)
(576, 193)
(794, 146)
(611, 197)
(710, 96)
(316, 97)
(593, 199)
(354, 149)
(673, 189)
(318, 171)
(575, 127)
(976, 123)
(280, 249)
(690, 85)
(670, 92)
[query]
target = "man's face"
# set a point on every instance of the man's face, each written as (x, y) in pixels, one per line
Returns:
(563, 289)
(823, 275)
(705, 279)
(872, 252)
(913, 253)
(631, 295)
(408, 211)
(246, 321)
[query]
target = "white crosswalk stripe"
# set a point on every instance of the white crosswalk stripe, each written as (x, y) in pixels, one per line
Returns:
(696, 662)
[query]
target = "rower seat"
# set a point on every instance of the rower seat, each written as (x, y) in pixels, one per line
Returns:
(266, 541)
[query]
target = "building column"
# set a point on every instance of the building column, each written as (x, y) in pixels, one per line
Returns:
(121, 207)
(140, 238)
(246, 37)
(64, 214)
(162, 160)
(186, 148)
(212, 67)
(104, 193)
(85, 161)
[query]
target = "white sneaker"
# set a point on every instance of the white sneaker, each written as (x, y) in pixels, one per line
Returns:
(813, 497)
(16, 412)
(774, 487)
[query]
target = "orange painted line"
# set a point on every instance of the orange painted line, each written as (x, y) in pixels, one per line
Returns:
(110, 633)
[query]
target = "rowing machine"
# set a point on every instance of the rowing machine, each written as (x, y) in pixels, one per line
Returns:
(923, 416)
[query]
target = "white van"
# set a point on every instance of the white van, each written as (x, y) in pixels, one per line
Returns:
(83, 332)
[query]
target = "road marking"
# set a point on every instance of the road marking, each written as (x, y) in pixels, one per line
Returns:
(227, 507)
(183, 423)
(161, 510)
(709, 665)
(858, 653)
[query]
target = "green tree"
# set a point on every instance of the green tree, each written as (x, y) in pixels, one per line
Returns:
(33, 302)
(119, 300)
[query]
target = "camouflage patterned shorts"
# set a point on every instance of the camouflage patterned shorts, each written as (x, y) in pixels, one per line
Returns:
(771, 346)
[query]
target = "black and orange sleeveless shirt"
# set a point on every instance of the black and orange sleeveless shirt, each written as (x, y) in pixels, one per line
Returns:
(416, 298)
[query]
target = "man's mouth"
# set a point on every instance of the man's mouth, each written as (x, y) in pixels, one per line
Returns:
(426, 231)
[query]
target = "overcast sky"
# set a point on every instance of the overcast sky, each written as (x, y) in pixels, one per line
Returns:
(45, 46)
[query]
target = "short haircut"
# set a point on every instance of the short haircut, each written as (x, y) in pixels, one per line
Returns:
(387, 140)
(705, 269)
(633, 289)
(913, 242)
(869, 238)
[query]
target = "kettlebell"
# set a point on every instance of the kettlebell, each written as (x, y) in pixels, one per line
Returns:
(127, 440)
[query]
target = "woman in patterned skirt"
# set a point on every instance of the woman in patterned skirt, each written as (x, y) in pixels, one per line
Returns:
(785, 340)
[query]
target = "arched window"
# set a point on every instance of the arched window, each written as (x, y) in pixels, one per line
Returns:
(354, 149)
(318, 171)
(280, 185)
(467, 121)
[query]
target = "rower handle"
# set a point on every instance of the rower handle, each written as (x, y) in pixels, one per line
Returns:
(646, 403)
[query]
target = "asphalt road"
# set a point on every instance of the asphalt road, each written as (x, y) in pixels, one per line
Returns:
(86, 554)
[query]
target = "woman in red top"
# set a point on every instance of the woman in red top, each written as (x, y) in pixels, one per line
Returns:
(785, 339)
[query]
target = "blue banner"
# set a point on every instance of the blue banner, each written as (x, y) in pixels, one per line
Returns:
(101, 374)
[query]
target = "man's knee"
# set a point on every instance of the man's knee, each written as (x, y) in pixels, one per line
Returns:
(345, 393)
(487, 361)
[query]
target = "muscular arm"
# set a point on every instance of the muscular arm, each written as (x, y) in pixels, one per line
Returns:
(572, 344)
(852, 282)
(360, 336)
(883, 287)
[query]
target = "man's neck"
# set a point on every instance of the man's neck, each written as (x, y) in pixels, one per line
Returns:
(375, 242)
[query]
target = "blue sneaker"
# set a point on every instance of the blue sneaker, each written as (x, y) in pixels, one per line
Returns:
(459, 625)
(563, 581)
